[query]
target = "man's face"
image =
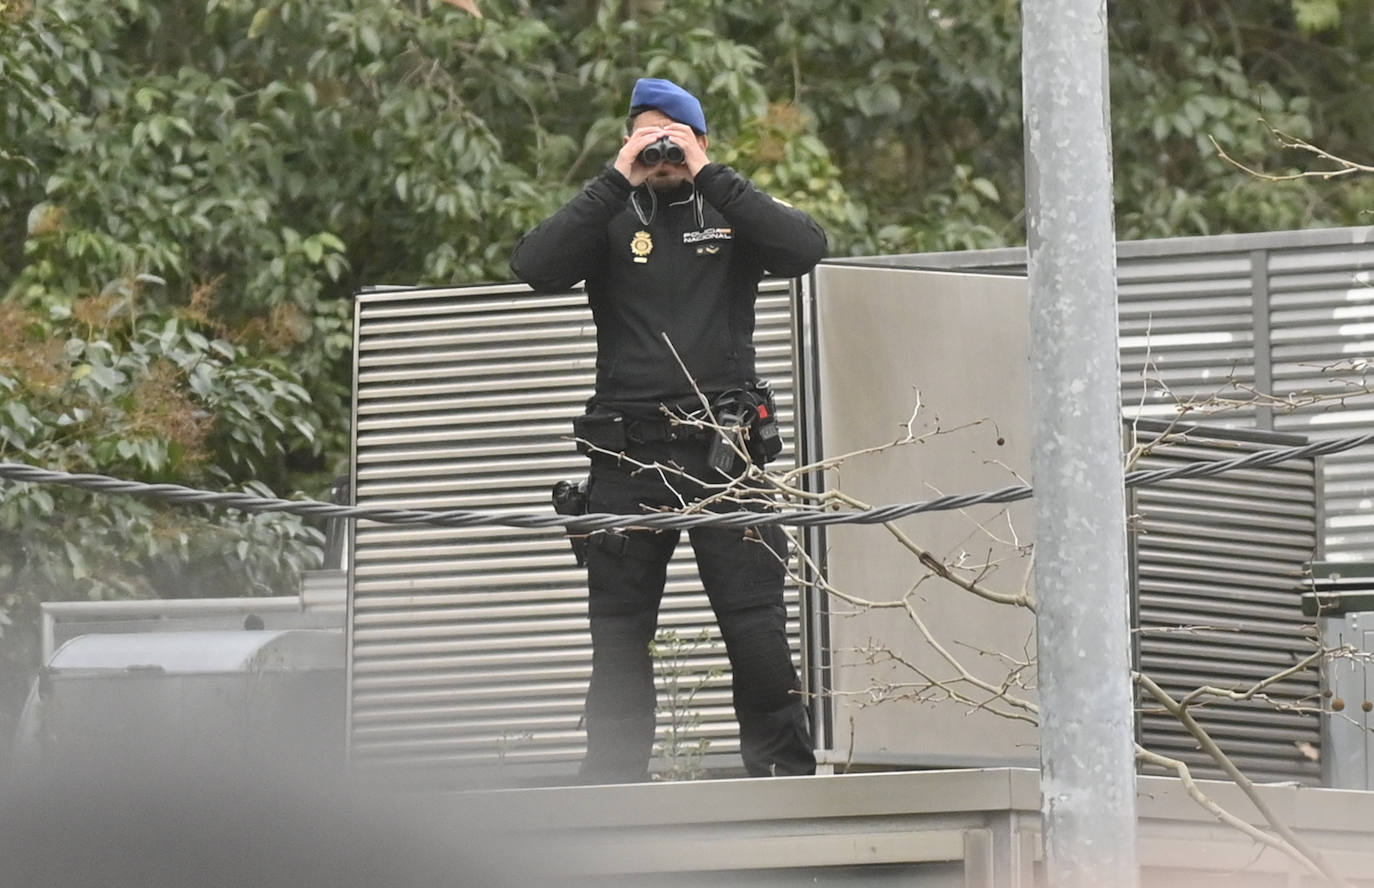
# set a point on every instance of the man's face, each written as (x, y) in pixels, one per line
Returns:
(666, 176)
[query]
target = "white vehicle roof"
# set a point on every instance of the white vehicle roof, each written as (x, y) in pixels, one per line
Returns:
(214, 651)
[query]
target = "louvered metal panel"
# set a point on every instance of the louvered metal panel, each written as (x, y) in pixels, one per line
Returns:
(1186, 329)
(1322, 303)
(1218, 576)
(469, 651)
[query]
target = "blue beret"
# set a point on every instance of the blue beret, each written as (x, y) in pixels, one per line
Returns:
(671, 99)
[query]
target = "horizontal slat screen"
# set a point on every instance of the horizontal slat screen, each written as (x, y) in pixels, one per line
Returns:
(469, 651)
(1323, 351)
(1186, 332)
(1219, 574)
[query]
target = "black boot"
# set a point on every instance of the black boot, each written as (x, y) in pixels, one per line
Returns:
(618, 750)
(777, 744)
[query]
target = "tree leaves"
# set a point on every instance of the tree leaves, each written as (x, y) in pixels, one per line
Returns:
(1314, 16)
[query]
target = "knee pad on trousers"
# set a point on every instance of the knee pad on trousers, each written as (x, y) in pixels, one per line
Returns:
(764, 679)
(622, 684)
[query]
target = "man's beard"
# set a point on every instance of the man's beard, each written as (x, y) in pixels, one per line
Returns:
(668, 183)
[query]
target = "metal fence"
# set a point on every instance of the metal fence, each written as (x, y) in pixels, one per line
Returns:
(468, 647)
(469, 651)
(1217, 574)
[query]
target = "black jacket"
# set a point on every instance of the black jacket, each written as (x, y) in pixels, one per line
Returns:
(684, 264)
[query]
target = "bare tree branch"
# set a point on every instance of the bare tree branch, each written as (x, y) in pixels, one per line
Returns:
(1292, 844)
(1196, 792)
(1343, 167)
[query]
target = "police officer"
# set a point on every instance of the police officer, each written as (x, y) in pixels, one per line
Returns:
(672, 248)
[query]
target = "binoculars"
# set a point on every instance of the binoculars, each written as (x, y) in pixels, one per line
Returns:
(664, 149)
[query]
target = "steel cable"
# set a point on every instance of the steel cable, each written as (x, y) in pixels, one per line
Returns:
(797, 516)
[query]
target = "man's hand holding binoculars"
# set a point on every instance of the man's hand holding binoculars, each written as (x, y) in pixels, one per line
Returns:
(648, 148)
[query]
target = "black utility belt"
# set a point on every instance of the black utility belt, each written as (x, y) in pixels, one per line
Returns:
(739, 421)
(604, 429)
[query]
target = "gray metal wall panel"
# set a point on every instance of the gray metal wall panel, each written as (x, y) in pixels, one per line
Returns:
(1323, 318)
(1219, 575)
(946, 355)
(1185, 329)
(468, 646)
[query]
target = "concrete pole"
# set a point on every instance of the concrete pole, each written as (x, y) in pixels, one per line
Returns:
(1083, 635)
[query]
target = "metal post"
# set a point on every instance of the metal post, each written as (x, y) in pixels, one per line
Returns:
(1086, 734)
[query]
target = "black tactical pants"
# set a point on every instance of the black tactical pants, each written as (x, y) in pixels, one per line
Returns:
(743, 573)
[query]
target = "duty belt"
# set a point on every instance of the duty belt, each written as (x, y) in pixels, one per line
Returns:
(660, 429)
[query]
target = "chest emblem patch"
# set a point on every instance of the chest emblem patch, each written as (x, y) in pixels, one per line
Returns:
(708, 234)
(641, 245)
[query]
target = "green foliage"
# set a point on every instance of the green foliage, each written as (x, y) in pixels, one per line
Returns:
(1180, 81)
(919, 105)
(87, 388)
(680, 682)
(1317, 15)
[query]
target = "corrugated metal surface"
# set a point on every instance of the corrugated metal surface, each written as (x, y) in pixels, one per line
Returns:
(469, 647)
(1218, 578)
(1322, 303)
(1186, 332)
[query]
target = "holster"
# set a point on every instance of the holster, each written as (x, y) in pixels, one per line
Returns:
(570, 498)
(761, 415)
(745, 417)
